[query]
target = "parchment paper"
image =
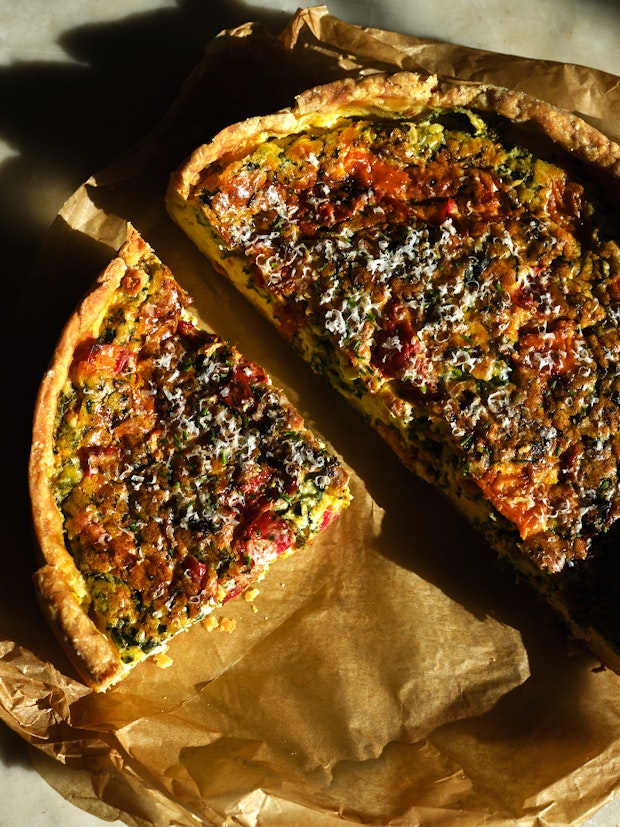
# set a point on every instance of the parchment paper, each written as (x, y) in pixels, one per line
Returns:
(391, 674)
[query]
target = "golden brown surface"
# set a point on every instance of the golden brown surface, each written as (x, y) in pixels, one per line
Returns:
(454, 271)
(167, 472)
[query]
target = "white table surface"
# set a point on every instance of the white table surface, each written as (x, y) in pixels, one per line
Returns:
(55, 56)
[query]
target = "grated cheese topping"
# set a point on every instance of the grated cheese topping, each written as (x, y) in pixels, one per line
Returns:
(181, 471)
(469, 287)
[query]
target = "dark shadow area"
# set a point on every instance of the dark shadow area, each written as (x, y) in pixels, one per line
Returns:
(67, 120)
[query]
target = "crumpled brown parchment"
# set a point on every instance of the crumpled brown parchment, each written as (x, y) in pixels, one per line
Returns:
(390, 674)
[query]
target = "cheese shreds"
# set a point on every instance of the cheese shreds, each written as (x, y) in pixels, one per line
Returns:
(463, 290)
(180, 471)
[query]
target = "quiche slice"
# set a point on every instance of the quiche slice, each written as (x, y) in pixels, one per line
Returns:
(167, 472)
(447, 255)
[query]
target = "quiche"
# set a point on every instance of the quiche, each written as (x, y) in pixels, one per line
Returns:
(447, 255)
(167, 472)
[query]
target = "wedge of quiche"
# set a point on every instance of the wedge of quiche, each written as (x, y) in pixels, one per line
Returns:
(167, 471)
(447, 255)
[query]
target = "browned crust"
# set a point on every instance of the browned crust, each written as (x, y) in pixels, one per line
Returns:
(401, 94)
(59, 585)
